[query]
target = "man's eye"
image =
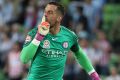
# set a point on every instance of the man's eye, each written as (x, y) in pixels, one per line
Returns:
(50, 12)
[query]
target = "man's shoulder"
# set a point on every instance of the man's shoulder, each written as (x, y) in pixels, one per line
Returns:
(70, 35)
(33, 31)
(68, 31)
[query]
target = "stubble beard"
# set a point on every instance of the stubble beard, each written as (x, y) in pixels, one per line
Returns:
(53, 25)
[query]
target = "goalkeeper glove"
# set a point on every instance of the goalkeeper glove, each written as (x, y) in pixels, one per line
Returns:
(43, 29)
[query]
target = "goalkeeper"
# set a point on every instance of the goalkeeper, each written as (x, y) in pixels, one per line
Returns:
(47, 46)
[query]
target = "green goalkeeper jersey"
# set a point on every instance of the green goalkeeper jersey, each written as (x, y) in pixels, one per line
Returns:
(49, 60)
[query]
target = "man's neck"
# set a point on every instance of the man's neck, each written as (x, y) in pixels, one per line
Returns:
(55, 29)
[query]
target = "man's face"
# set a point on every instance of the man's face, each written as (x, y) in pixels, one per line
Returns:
(51, 14)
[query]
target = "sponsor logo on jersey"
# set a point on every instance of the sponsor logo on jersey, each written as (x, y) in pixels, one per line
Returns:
(54, 53)
(28, 39)
(46, 44)
(65, 44)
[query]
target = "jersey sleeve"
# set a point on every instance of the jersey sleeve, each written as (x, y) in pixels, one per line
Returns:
(29, 49)
(81, 56)
(30, 36)
(75, 46)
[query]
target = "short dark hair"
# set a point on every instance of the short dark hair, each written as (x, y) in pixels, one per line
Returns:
(59, 7)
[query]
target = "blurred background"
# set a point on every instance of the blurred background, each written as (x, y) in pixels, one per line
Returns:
(96, 22)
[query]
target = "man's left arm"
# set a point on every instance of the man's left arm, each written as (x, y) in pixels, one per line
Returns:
(84, 61)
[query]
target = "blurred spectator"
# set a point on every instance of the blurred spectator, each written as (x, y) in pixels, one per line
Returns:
(8, 11)
(82, 24)
(40, 11)
(73, 12)
(67, 20)
(1, 33)
(21, 6)
(6, 44)
(103, 42)
(99, 5)
(15, 34)
(104, 45)
(87, 49)
(14, 67)
(114, 74)
(1, 13)
(29, 17)
(5, 47)
(72, 7)
(82, 19)
(98, 53)
(93, 17)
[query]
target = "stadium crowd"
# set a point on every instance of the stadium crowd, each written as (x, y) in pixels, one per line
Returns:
(84, 17)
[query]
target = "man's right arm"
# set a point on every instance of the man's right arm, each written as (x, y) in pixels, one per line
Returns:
(29, 51)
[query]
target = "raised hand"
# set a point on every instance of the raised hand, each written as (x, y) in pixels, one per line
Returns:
(43, 29)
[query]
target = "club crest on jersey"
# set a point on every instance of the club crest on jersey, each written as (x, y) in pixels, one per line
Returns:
(46, 44)
(65, 44)
(28, 39)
